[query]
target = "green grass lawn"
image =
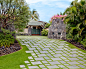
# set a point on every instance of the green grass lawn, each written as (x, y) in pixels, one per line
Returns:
(72, 46)
(14, 60)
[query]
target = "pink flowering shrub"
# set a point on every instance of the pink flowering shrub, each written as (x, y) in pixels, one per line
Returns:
(58, 16)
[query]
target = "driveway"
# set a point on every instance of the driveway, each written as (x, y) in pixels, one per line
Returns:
(51, 54)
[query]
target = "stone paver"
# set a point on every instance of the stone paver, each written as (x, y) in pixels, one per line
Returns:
(26, 61)
(39, 58)
(51, 54)
(30, 57)
(33, 67)
(51, 67)
(37, 62)
(41, 66)
(73, 67)
(81, 66)
(22, 66)
(54, 62)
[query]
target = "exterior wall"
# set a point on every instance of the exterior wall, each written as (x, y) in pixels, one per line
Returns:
(24, 32)
(57, 30)
(29, 30)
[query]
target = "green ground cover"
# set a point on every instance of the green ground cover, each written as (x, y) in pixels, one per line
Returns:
(13, 60)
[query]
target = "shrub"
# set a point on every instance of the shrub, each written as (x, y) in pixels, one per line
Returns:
(6, 40)
(5, 31)
(76, 20)
(84, 42)
(44, 32)
(47, 25)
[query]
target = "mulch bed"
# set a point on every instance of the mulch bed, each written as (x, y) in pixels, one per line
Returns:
(77, 44)
(7, 50)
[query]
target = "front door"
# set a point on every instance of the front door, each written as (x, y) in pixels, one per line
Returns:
(35, 31)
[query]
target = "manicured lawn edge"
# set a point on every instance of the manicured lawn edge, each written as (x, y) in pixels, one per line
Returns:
(72, 46)
(14, 60)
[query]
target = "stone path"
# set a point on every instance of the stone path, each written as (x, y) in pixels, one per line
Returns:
(52, 54)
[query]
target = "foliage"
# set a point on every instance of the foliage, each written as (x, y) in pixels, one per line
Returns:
(7, 31)
(57, 16)
(61, 13)
(8, 61)
(76, 20)
(14, 14)
(84, 42)
(34, 15)
(44, 32)
(6, 40)
(47, 25)
(68, 36)
(20, 30)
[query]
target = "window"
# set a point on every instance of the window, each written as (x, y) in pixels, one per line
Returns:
(53, 33)
(59, 33)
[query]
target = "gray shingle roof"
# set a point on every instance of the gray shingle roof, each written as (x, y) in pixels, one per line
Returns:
(35, 23)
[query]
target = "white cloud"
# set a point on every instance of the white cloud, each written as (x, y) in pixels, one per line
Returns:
(45, 1)
(32, 1)
(58, 3)
(55, 6)
(36, 1)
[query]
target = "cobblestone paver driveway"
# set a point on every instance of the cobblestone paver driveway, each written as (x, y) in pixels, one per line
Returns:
(52, 54)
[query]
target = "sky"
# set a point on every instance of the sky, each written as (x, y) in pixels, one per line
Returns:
(48, 8)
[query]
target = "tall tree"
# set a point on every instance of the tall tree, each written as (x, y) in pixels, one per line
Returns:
(13, 14)
(34, 15)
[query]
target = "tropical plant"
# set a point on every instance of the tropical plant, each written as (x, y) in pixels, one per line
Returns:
(34, 15)
(6, 40)
(47, 25)
(44, 32)
(84, 42)
(76, 20)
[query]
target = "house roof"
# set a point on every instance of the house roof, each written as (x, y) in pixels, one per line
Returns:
(35, 23)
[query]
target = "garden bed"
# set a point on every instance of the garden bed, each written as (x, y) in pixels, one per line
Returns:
(7, 50)
(77, 44)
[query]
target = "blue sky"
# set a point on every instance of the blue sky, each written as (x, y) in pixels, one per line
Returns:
(48, 8)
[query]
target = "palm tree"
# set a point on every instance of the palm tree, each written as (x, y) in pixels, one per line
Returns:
(34, 15)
